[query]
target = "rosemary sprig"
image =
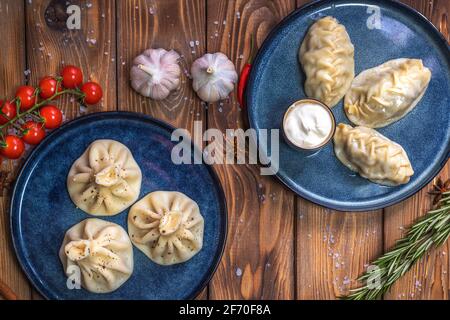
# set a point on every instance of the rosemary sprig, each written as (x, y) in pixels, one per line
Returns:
(430, 231)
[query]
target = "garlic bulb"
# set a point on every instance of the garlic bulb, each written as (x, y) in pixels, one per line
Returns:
(155, 73)
(214, 76)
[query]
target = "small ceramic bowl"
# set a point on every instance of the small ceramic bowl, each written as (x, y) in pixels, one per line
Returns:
(330, 135)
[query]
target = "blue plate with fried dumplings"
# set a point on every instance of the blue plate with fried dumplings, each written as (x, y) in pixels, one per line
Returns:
(379, 31)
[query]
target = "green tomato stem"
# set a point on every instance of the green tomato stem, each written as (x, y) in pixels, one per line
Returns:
(20, 115)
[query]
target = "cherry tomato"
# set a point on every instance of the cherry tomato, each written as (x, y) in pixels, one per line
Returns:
(9, 111)
(72, 77)
(52, 116)
(33, 132)
(92, 92)
(26, 96)
(48, 86)
(12, 147)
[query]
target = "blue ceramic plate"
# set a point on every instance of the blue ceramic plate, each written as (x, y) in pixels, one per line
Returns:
(276, 81)
(41, 210)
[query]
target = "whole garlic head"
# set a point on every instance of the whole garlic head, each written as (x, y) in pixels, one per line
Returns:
(214, 76)
(155, 73)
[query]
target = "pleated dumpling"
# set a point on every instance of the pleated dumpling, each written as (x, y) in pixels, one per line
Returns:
(372, 155)
(386, 93)
(105, 180)
(100, 252)
(327, 58)
(167, 227)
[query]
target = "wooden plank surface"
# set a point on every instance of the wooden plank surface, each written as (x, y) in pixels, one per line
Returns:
(279, 246)
(92, 48)
(170, 24)
(333, 247)
(12, 67)
(429, 279)
(259, 258)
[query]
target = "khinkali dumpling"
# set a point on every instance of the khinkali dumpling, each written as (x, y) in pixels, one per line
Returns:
(167, 227)
(105, 180)
(327, 57)
(372, 155)
(101, 250)
(386, 93)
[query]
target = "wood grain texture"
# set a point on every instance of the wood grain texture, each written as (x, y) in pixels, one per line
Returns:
(429, 279)
(170, 24)
(258, 262)
(92, 48)
(12, 54)
(333, 248)
(279, 246)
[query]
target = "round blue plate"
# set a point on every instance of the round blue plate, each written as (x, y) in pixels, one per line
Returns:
(41, 210)
(276, 81)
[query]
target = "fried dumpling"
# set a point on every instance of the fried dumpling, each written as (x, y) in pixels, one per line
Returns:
(167, 227)
(372, 155)
(105, 180)
(102, 253)
(327, 58)
(382, 95)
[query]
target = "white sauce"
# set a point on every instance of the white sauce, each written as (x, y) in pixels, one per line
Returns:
(307, 125)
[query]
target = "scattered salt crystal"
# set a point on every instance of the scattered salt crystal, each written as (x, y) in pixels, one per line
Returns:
(91, 41)
(197, 43)
(88, 5)
(27, 72)
(191, 44)
(151, 10)
(238, 272)
(83, 109)
(238, 15)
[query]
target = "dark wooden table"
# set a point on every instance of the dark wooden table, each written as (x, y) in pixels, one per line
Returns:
(279, 245)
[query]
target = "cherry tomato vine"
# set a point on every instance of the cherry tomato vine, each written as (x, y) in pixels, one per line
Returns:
(33, 110)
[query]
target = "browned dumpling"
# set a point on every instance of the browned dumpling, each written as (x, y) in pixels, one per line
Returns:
(386, 93)
(327, 57)
(372, 155)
